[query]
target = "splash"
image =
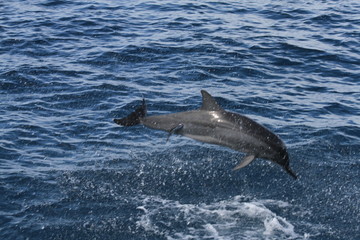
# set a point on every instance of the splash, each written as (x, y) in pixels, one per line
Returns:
(235, 218)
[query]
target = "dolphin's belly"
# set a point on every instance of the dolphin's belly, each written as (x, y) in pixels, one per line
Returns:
(232, 138)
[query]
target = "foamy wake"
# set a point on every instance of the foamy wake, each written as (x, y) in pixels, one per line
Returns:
(236, 218)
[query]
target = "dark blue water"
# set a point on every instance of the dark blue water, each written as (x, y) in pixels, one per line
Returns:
(67, 68)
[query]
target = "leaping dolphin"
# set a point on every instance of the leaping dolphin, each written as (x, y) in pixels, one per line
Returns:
(212, 124)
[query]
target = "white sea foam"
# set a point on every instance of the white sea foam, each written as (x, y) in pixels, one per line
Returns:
(235, 218)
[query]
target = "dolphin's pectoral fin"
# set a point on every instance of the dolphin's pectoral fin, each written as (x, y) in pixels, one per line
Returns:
(291, 172)
(175, 130)
(246, 161)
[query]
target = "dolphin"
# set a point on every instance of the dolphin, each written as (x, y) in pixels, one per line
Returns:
(212, 124)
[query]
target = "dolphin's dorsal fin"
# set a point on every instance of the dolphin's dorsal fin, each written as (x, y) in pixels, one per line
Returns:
(208, 102)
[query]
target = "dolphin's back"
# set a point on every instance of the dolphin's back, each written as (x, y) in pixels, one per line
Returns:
(254, 129)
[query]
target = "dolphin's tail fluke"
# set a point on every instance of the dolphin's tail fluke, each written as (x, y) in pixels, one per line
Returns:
(133, 118)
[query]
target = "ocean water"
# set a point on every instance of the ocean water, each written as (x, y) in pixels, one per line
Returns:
(67, 68)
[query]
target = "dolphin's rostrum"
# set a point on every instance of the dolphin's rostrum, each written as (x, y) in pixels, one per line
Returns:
(212, 124)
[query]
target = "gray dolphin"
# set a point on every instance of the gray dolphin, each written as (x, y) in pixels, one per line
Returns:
(212, 124)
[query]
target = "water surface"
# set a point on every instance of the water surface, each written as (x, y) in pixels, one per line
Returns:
(67, 68)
